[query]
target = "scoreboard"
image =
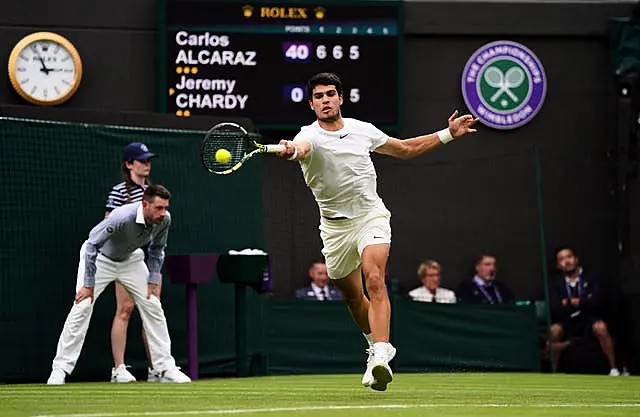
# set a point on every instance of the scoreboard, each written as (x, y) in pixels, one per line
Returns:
(253, 59)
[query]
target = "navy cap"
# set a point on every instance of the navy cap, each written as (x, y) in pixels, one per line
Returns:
(136, 151)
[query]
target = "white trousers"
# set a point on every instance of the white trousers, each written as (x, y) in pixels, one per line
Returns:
(132, 274)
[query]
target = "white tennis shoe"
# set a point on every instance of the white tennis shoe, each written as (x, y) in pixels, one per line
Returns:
(121, 375)
(57, 377)
(369, 379)
(174, 375)
(152, 375)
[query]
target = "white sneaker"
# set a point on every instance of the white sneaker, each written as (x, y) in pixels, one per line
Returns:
(121, 375)
(625, 372)
(368, 379)
(152, 375)
(614, 372)
(57, 377)
(174, 375)
(382, 374)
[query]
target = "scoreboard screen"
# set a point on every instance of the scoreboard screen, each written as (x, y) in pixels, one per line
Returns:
(253, 59)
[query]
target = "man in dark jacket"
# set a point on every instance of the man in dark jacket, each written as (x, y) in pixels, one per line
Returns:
(319, 290)
(576, 303)
(483, 288)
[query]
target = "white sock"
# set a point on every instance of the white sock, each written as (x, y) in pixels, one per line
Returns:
(369, 338)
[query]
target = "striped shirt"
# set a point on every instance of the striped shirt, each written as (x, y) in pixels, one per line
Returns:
(118, 195)
(124, 231)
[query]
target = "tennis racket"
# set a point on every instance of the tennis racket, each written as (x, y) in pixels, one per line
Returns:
(240, 145)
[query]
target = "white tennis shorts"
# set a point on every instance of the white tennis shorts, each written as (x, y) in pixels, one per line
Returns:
(344, 240)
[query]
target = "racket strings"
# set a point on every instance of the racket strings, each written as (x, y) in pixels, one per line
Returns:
(232, 141)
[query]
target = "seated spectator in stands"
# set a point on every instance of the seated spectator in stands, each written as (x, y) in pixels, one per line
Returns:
(576, 304)
(483, 287)
(319, 290)
(430, 291)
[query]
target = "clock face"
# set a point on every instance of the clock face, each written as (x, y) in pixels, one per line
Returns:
(45, 71)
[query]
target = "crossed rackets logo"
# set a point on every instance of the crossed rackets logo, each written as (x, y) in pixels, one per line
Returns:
(503, 84)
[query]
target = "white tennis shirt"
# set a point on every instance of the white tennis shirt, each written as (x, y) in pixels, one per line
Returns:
(339, 170)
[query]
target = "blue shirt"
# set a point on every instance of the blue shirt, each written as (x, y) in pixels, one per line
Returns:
(124, 231)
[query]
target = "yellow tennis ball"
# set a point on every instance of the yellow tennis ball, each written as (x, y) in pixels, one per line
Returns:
(223, 156)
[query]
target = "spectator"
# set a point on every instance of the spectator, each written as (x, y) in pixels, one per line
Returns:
(483, 287)
(429, 274)
(319, 289)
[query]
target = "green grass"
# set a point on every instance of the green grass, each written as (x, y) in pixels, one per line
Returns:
(337, 396)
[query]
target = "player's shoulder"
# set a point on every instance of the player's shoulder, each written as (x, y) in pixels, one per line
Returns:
(309, 132)
(352, 123)
(310, 128)
(355, 123)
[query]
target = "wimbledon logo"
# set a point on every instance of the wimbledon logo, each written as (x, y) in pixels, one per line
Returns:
(504, 85)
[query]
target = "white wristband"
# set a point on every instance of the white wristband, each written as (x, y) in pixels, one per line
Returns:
(445, 136)
(295, 153)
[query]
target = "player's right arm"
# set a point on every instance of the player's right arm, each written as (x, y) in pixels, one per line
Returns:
(296, 149)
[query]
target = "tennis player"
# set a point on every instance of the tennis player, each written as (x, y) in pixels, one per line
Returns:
(334, 154)
(112, 252)
(136, 168)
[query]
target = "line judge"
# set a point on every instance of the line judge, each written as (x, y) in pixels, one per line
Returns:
(112, 253)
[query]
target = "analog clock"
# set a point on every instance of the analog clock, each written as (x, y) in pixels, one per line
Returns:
(45, 68)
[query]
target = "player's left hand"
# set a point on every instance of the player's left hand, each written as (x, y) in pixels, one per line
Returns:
(459, 126)
(154, 289)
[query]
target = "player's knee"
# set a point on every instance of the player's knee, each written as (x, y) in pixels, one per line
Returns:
(124, 310)
(375, 283)
(600, 328)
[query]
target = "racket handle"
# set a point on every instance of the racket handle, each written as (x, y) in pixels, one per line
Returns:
(274, 148)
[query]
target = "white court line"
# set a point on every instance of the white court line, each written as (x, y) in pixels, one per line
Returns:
(142, 389)
(338, 407)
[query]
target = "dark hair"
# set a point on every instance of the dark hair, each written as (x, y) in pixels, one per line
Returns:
(559, 249)
(324, 78)
(156, 190)
(316, 262)
(480, 258)
(128, 181)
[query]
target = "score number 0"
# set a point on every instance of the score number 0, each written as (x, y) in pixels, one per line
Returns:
(297, 94)
(301, 52)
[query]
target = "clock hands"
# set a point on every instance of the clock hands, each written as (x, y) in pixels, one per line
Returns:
(47, 70)
(44, 67)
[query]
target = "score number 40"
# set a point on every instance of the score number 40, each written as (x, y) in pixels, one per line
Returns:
(300, 52)
(297, 95)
